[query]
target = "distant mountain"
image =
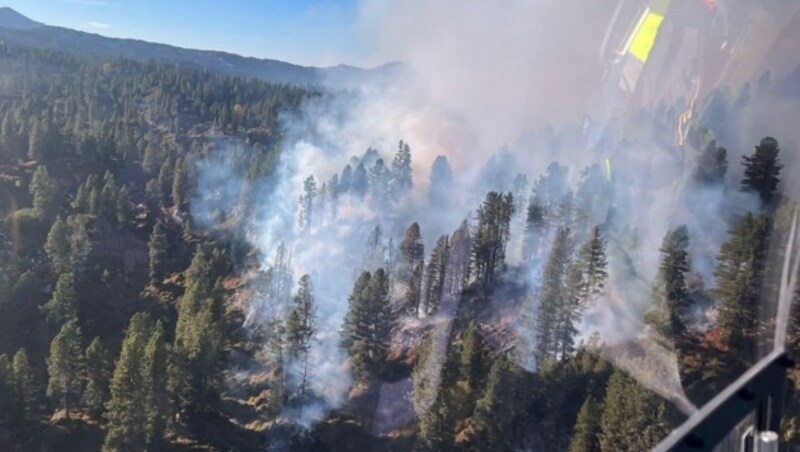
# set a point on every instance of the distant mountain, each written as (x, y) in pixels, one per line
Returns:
(16, 21)
(18, 29)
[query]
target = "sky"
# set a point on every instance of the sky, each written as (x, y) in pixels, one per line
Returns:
(308, 32)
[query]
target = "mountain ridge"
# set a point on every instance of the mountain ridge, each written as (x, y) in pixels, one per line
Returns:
(17, 29)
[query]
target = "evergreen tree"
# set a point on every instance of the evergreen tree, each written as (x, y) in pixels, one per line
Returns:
(413, 294)
(26, 388)
(441, 182)
(369, 323)
(127, 409)
(761, 170)
(413, 251)
(275, 345)
(158, 253)
(535, 228)
(43, 190)
(585, 437)
(308, 203)
(360, 181)
(379, 178)
(585, 279)
(459, 263)
(495, 412)
(633, 418)
(65, 366)
(671, 295)
(123, 206)
(36, 140)
(154, 378)
(180, 184)
(99, 368)
(62, 306)
(472, 368)
(553, 298)
(436, 274)
(491, 236)
(401, 171)
(300, 330)
(346, 181)
(712, 165)
(740, 272)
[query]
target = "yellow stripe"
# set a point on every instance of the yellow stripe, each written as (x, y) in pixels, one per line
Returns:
(645, 36)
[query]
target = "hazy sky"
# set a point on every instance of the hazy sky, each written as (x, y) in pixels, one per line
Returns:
(311, 32)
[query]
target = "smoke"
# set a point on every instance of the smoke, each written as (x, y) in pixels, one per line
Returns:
(499, 89)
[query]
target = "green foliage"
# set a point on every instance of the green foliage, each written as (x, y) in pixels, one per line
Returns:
(99, 368)
(158, 253)
(63, 304)
(761, 170)
(491, 236)
(66, 366)
(369, 323)
(740, 272)
(587, 428)
(26, 387)
(634, 419)
(554, 301)
(712, 165)
(671, 297)
(136, 412)
(43, 190)
(300, 330)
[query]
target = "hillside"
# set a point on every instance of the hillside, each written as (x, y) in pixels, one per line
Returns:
(17, 29)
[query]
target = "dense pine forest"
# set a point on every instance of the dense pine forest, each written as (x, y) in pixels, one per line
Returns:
(148, 302)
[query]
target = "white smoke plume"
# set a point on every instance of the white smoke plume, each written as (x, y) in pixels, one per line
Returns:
(480, 79)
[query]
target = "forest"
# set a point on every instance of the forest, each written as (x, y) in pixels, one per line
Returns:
(137, 311)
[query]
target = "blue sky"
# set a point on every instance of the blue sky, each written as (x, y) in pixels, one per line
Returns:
(312, 32)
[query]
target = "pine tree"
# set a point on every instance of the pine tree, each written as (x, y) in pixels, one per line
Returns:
(519, 188)
(379, 178)
(585, 437)
(401, 171)
(434, 379)
(180, 184)
(633, 418)
(761, 170)
(65, 366)
(740, 272)
(346, 181)
(57, 247)
(412, 249)
(369, 323)
(441, 182)
(155, 394)
(360, 183)
(300, 330)
(275, 345)
(127, 409)
(62, 306)
(26, 388)
(472, 368)
(491, 236)
(553, 298)
(43, 190)
(99, 368)
(671, 294)
(436, 274)
(712, 165)
(123, 206)
(308, 203)
(585, 279)
(108, 196)
(36, 140)
(535, 228)
(459, 263)
(413, 294)
(6, 389)
(494, 412)
(158, 252)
